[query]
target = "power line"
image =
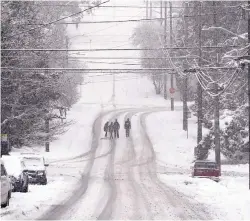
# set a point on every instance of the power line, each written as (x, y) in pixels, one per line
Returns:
(110, 21)
(115, 69)
(100, 22)
(136, 6)
(119, 49)
(43, 25)
(107, 58)
(103, 29)
(86, 69)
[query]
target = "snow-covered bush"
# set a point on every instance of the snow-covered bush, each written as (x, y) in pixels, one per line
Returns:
(233, 137)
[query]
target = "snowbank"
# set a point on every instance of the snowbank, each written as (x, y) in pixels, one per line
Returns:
(226, 200)
(170, 142)
(174, 152)
(38, 199)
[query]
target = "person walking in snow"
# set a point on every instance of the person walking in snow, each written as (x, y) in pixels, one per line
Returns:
(106, 128)
(111, 130)
(127, 126)
(116, 128)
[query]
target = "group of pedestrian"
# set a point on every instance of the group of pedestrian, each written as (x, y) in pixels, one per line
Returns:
(114, 127)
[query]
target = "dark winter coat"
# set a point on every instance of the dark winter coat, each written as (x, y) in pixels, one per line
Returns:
(106, 126)
(116, 125)
(127, 125)
(111, 127)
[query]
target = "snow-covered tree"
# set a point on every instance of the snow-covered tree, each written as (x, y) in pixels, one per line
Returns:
(150, 36)
(29, 97)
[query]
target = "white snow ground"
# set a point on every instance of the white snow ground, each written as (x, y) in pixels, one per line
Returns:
(63, 171)
(174, 152)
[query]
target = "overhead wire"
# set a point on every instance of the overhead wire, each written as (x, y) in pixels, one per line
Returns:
(106, 28)
(202, 74)
(236, 92)
(60, 19)
(102, 22)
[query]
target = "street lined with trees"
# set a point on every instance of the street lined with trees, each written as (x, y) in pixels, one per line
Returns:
(211, 35)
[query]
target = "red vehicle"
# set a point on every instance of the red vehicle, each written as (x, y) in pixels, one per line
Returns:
(206, 169)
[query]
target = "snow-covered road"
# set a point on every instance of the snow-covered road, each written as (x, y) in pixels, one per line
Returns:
(146, 176)
(120, 180)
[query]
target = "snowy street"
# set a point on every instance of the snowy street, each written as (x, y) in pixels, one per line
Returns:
(81, 64)
(126, 178)
(120, 181)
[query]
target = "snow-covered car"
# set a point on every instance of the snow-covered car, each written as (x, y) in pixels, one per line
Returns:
(5, 186)
(16, 170)
(35, 167)
(206, 169)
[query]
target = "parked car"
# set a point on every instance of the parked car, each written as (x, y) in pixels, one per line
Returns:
(35, 167)
(206, 169)
(16, 170)
(5, 186)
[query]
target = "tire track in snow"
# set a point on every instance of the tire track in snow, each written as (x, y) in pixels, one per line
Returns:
(57, 211)
(159, 207)
(115, 188)
(190, 210)
(126, 204)
(106, 213)
(118, 190)
(135, 186)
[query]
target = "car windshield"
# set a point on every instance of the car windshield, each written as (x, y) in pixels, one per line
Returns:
(205, 165)
(33, 161)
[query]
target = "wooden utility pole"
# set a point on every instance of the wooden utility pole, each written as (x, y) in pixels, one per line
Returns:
(161, 11)
(249, 74)
(151, 10)
(199, 87)
(216, 101)
(165, 44)
(67, 53)
(113, 96)
(171, 45)
(146, 9)
(185, 85)
(47, 134)
(47, 117)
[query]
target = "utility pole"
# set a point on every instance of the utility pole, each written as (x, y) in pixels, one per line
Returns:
(113, 96)
(185, 88)
(47, 134)
(199, 87)
(67, 53)
(171, 45)
(165, 44)
(248, 19)
(161, 11)
(146, 9)
(47, 117)
(216, 103)
(151, 10)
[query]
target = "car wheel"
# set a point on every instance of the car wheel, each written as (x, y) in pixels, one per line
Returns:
(25, 189)
(44, 182)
